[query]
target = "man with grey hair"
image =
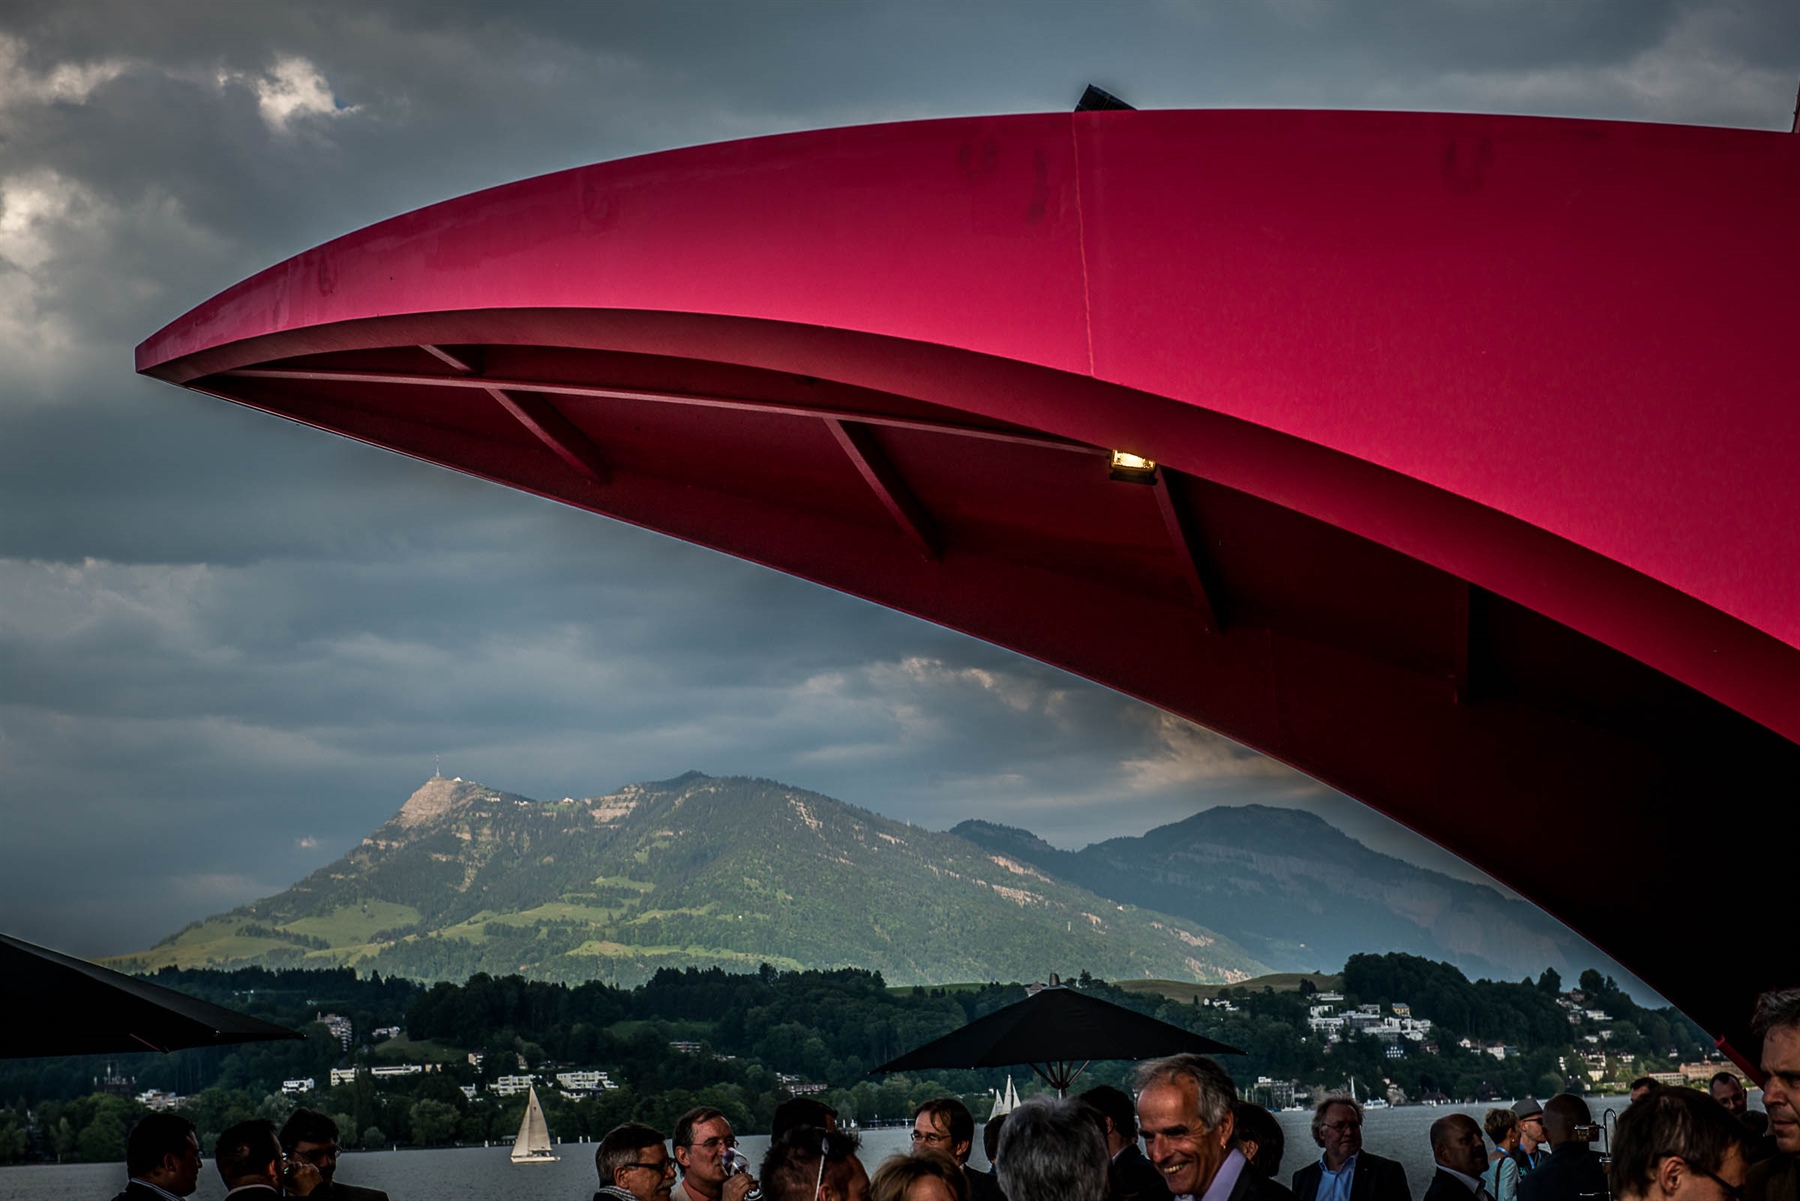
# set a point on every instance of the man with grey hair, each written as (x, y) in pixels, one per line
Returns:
(1344, 1171)
(1184, 1115)
(1777, 1020)
(633, 1165)
(1053, 1150)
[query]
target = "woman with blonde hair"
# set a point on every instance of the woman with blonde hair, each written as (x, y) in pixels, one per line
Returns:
(1502, 1177)
(926, 1176)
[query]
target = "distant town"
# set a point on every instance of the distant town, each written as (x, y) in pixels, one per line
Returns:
(397, 1062)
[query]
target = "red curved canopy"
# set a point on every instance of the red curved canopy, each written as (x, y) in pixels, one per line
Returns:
(1475, 434)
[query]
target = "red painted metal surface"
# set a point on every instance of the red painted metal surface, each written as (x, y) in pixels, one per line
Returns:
(1476, 432)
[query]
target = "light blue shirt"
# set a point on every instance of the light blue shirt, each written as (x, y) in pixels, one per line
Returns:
(1226, 1178)
(1335, 1186)
(1223, 1181)
(1505, 1174)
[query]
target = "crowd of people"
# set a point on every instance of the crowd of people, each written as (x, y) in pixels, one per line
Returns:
(1200, 1143)
(254, 1159)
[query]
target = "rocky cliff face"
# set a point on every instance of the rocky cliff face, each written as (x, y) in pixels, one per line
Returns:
(692, 871)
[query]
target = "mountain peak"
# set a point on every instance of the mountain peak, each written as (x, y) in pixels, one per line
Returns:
(694, 871)
(434, 798)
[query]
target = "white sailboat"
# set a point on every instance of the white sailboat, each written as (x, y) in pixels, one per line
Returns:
(1006, 1102)
(533, 1143)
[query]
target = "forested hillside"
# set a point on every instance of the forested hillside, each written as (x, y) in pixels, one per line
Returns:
(744, 1041)
(694, 871)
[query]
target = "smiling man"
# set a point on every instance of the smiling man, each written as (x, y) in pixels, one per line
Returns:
(1184, 1115)
(1777, 1019)
(1344, 1171)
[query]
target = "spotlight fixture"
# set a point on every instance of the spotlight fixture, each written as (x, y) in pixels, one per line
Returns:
(1132, 469)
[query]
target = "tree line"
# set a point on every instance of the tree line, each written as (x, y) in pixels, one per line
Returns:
(708, 1036)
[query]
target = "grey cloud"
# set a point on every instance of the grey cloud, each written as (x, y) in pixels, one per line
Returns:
(280, 630)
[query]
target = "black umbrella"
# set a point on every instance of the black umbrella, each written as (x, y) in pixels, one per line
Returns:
(59, 1005)
(1058, 1031)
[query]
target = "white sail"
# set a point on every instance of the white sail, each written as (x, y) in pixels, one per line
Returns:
(1007, 1101)
(533, 1143)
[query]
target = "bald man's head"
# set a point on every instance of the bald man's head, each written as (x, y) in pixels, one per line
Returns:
(1456, 1144)
(1566, 1118)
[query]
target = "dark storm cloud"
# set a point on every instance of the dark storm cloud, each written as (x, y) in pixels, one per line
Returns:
(230, 646)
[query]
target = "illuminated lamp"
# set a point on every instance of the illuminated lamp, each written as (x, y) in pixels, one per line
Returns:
(1132, 469)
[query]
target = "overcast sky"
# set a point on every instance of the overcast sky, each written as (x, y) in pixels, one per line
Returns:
(230, 647)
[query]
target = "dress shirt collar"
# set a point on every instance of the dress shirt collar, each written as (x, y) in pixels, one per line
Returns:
(1472, 1183)
(1226, 1178)
(155, 1188)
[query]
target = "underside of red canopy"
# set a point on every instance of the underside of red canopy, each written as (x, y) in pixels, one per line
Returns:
(1475, 440)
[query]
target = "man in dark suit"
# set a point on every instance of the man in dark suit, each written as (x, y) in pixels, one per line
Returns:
(1461, 1157)
(162, 1159)
(1344, 1171)
(1184, 1112)
(1573, 1172)
(251, 1164)
(311, 1137)
(945, 1125)
(1130, 1178)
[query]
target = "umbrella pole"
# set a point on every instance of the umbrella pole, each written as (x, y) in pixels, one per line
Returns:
(1057, 1075)
(1079, 1071)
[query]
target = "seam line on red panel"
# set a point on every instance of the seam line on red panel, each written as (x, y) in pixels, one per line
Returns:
(1087, 303)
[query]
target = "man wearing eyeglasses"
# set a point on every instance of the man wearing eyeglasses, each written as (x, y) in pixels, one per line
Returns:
(311, 1137)
(945, 1125)
(1677, 1145)
(1344, 1171)
(633, 1165)
(253, 1168)
(706, 1149)
(1533, 1151)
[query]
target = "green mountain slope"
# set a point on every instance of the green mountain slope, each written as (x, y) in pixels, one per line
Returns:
(691, 871)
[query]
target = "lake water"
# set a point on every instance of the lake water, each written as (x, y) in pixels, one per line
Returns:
(480, 1173)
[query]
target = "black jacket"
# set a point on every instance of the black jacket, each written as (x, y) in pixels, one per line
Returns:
(1252, 1185)
(136, 1191)
(1376, 1179)
(339, 1191)
(1445, 1187)
(983, 1186)
(1132, 1177)
(1572, 1173)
